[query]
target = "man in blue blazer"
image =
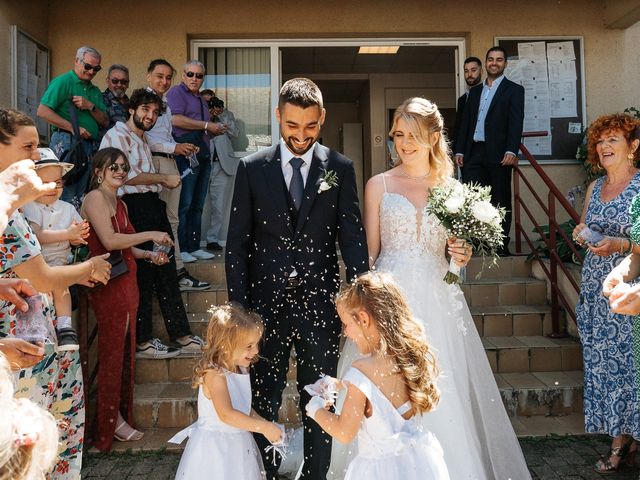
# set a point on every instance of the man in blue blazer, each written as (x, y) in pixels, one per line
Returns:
(291, 203)
(490, 134)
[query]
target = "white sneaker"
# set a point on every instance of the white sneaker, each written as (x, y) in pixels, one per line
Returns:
(202, 255)
(187, 257)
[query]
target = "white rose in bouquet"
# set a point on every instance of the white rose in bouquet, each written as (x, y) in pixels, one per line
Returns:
(453, 204)
(484, 212)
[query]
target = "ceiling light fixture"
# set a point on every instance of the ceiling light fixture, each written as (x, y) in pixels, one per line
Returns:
(379, 49)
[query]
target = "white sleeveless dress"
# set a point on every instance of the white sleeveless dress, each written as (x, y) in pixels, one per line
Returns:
(215, 450)
(389, 446)
(470, 421)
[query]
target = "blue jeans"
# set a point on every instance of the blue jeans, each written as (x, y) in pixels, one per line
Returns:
(192, 197)
(60, 143)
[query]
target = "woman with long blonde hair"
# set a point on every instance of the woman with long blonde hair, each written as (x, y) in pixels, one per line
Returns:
(406, 241)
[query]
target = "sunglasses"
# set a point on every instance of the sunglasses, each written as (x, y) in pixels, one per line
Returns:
(114, 167)
(199, 76)
(119, 81)
(95, 68)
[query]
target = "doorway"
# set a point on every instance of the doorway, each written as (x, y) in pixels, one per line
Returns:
(360, 90)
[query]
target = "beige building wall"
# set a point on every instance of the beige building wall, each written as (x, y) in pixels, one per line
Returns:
(135, 32)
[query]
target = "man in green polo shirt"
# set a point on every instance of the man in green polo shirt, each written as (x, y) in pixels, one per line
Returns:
(75, 86)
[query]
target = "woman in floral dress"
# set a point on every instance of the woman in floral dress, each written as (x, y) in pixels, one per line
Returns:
(55, 383)
(611, 403)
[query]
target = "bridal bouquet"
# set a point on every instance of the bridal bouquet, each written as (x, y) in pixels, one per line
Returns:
(466, 212)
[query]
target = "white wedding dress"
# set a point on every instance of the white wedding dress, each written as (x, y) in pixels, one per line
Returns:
(470, 421)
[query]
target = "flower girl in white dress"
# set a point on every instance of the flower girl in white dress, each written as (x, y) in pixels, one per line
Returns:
(387, 390)
(220, 444)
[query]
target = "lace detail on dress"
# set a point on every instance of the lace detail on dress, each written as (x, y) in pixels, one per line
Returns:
(404, 228)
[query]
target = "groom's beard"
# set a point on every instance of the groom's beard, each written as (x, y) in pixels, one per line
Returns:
(296, 150)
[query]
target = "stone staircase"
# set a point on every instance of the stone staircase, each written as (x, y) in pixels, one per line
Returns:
(537, 375)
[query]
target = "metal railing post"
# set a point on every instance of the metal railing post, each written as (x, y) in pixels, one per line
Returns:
(516, 208)
(553, 256)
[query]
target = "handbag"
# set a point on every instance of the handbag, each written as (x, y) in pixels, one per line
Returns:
(116, 259)
(76, 155)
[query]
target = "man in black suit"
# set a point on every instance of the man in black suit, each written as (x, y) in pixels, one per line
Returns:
(472, 76)
(490, 134)
(290, 204)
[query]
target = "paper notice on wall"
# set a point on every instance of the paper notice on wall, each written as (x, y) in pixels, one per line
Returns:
(538, 145)
(562, 99)
(532, 50)
(562, 71)
(561, 51)
(514, 70)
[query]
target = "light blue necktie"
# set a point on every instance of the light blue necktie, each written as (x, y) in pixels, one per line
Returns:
(296, 187)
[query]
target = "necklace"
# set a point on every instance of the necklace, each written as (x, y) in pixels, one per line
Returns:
(410, 177)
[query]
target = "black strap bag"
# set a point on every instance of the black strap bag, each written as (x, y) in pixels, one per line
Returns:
(76, 155)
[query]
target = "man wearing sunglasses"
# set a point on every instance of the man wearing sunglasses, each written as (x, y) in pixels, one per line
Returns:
(191, 124)
(75, 87)
(115, 95)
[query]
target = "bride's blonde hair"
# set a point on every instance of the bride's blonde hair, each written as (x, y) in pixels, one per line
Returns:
(425, 122)
(401, 336)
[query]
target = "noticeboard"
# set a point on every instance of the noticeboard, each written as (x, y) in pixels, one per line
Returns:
(551, 69)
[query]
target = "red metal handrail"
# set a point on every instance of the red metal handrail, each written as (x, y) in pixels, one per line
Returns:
(554, 197)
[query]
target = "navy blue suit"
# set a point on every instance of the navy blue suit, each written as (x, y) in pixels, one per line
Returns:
(266, 241)
(503, 133)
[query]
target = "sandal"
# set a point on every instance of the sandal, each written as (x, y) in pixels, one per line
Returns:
(132, 436)
(604, 465)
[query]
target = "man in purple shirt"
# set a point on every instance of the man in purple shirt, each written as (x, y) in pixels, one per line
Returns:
(190, 120)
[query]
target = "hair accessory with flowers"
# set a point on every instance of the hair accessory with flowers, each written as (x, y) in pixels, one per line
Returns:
(465, 210)
(328, 180)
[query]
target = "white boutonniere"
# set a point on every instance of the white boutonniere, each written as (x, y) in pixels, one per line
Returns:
(328, 180)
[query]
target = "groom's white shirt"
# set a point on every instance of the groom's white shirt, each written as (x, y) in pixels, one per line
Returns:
(287, 169)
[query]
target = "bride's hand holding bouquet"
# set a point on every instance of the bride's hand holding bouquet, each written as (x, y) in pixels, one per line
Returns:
(465, 210)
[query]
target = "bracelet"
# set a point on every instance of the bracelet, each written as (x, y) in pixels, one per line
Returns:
(206, 124)
(630, 251)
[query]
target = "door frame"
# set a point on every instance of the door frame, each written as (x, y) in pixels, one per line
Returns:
(276, 44)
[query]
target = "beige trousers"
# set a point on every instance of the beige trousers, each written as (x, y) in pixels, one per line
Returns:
(170, 196)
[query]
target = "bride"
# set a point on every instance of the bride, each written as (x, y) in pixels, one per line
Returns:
(470, 421)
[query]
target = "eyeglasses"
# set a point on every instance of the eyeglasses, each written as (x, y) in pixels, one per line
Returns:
(119, 81)
(199, 76)
(95, 68)
(114, 167)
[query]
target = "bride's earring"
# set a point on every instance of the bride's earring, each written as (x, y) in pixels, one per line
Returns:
(99, 180)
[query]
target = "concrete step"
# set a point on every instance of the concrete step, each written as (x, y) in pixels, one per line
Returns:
(524, 354)
(504, 291)
(515, 266)
(541, 393)
(507, 320)
(174, 405)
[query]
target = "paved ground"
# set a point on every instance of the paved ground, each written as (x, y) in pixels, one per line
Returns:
(549, 458)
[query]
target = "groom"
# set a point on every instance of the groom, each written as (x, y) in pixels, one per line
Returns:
(290, 204)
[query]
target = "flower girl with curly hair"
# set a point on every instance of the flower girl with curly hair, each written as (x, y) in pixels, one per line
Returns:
(220, 443)
(387, 389)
